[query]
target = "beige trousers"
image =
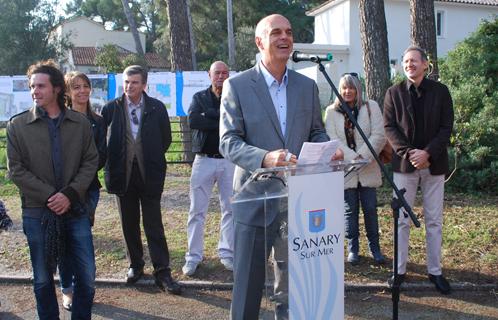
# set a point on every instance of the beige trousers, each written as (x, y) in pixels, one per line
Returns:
(432, 187)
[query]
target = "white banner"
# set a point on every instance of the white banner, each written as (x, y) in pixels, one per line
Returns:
(316, 246)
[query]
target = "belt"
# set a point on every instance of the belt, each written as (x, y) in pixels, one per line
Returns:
(215, 155)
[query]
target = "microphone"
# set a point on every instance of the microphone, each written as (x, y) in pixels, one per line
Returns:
(313, 57)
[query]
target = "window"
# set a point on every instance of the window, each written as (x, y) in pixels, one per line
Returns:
(440, 21)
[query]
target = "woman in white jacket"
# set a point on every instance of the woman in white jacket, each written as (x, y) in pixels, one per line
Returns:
(362, 184)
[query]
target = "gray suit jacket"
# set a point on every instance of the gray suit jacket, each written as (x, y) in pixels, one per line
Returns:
(249, 128)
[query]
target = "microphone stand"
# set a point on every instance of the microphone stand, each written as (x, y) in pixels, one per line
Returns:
(398, 200)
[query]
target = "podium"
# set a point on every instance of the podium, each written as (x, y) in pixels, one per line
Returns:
(307, 203)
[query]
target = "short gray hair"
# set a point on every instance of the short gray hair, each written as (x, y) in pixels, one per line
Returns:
(136, 69)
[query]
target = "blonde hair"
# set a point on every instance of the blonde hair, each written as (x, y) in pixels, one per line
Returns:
(350, 81)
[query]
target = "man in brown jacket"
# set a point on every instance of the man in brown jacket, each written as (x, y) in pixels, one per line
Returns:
(418, 119)
(52, 158)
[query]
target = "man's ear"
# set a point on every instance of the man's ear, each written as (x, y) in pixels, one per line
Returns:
(259, 42)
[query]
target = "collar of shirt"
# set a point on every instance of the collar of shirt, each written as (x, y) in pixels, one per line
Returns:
(419, 90)
(278, 94)
(132, 105)
(269, 79)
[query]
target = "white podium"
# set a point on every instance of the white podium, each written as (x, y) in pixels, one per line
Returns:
(311, 198)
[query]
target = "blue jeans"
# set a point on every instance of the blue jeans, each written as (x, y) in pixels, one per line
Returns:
(66, 275)
(79, 254)
(368, 199)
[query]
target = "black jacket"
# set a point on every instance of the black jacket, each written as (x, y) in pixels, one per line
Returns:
(155, 134)
(203, 116)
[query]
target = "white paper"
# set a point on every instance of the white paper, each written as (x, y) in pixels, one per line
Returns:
(317, 152)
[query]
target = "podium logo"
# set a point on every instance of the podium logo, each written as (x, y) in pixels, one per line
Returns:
(316, 220)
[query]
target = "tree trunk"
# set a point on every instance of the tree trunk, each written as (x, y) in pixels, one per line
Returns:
(231, 38)
(375, 49)
(181, 57)
(133, 28)
(192, 39)
(423, 31)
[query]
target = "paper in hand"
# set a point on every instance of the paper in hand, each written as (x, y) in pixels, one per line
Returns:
(317, 152)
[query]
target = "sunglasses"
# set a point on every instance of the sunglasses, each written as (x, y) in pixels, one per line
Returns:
(134, 117)
(353, 74)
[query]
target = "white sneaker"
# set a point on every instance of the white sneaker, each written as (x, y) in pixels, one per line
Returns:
(189, 268)
(67, 301)
(228, 263)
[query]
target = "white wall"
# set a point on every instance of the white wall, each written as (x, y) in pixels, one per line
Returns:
(334, 69)
(339, 25)
(460, 22)
(85, 33)
(332, 26)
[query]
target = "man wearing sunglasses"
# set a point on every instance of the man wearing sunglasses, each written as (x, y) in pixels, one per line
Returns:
(139, 134)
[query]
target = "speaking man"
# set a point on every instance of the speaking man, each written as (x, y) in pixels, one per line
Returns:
(267, 113)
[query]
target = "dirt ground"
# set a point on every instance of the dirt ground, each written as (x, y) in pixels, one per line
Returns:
(148, 303)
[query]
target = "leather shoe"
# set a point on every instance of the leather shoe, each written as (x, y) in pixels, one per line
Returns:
(400, 280)
(166, 282)
(442, 285)
(133, 275)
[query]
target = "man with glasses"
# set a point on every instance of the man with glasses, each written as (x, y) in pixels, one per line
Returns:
(139, 134)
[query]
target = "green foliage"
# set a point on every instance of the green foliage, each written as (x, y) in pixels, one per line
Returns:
(132, 59)
(471, 73)
(25, 34)
(209, 24)
(108, 59)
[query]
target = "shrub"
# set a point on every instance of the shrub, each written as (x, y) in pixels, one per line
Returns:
(471, 73)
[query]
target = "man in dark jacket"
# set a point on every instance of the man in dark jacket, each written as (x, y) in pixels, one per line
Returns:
(52, 159)
(209, 168)
(139, 134)
(418, 119)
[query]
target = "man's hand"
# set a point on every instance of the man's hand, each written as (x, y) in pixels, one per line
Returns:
(59, 203)
(338, 155)
(419, 158)
(279, 158)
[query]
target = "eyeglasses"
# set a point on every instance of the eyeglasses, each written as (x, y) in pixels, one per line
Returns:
(353, 74)
(134, 117)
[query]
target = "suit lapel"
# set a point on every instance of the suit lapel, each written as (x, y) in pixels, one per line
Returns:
(261, 91)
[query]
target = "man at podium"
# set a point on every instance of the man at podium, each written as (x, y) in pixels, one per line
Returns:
(267, 113)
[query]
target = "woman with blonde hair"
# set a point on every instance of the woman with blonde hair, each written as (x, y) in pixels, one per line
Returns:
(362, 184)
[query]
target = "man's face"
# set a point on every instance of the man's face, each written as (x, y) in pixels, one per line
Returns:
(133, 86)
(218, 74)
(43, 93)
(413, 65)
(277, 42)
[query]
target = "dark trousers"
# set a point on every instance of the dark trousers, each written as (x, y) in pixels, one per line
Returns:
(252, 248)
(368, 198)
(129, 209)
